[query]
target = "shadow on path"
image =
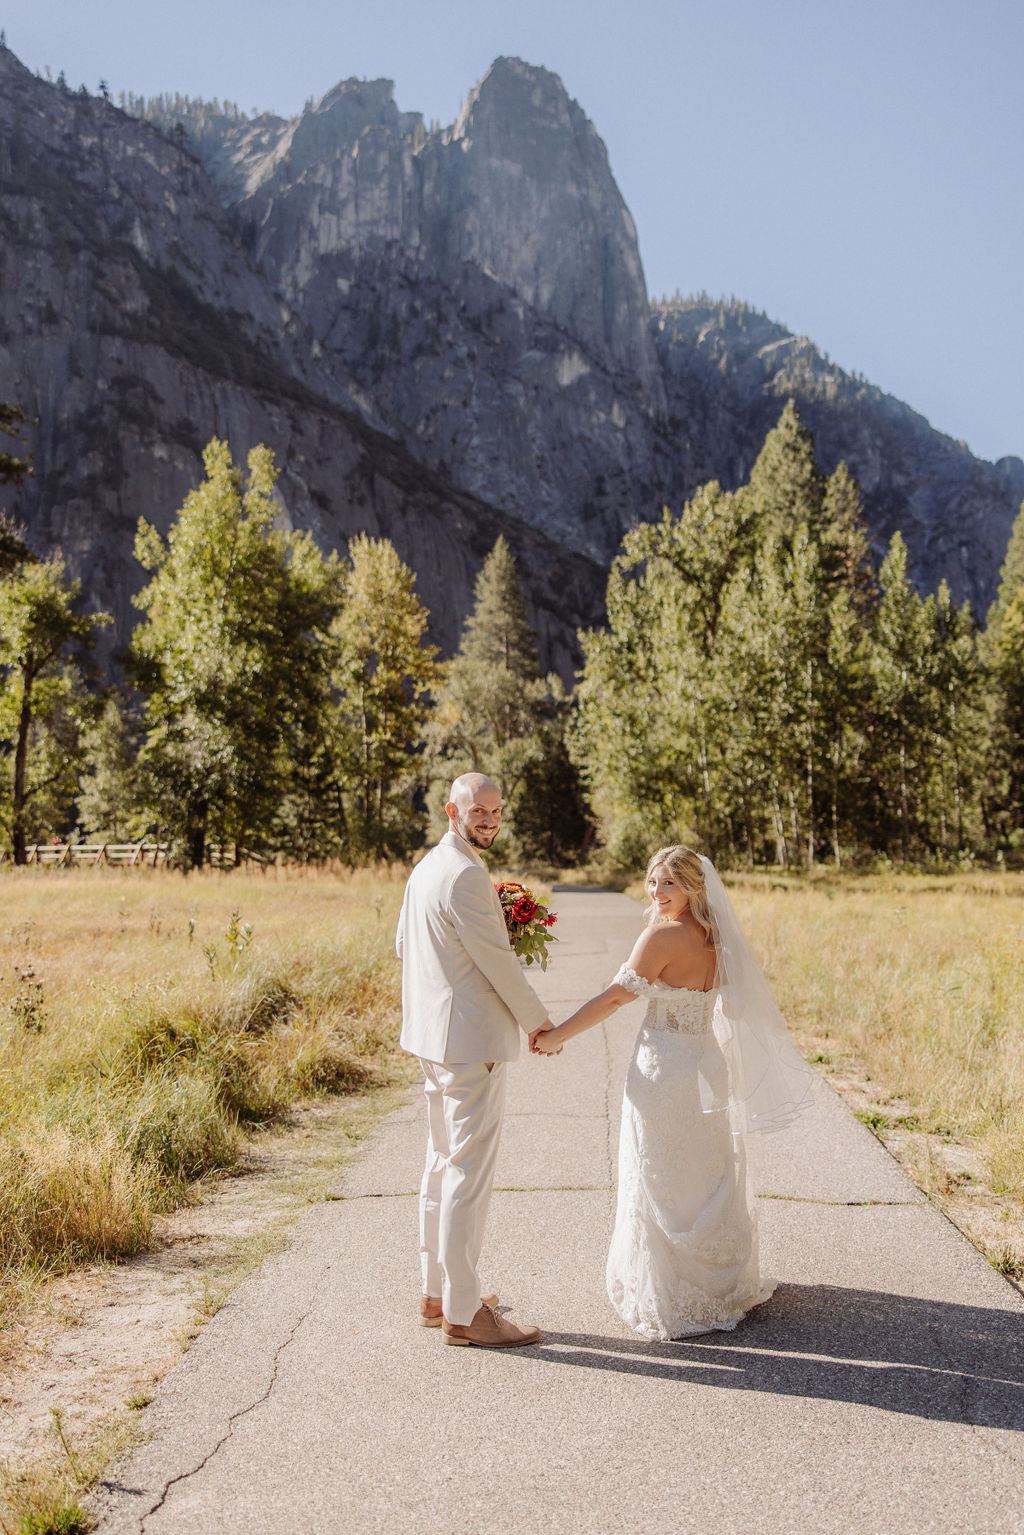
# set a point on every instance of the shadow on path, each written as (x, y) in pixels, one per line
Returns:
(932, 1359)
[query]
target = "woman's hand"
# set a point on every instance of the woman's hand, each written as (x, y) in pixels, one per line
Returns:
(549, 1042)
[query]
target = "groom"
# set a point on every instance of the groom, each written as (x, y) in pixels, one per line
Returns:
(464, 1000)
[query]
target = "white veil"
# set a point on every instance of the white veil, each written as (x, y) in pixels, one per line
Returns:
(766, 1083)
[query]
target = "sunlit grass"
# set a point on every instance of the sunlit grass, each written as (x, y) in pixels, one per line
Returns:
(47, 1496)
(918, 981)
(148, 1021)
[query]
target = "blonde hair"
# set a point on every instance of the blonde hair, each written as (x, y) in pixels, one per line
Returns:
(685, 868)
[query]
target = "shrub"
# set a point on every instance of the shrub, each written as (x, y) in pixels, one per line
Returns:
(71, 1196)
(177, 1128)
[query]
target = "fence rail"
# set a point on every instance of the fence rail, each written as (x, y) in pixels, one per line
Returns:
(63, 855)
(125, 855)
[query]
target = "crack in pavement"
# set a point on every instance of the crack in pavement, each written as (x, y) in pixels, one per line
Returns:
(242, 1412)
(549, 1114)
(609, 1188)
(611, 1152)
(499, 1188)
(848, 1204)
(978, 1430)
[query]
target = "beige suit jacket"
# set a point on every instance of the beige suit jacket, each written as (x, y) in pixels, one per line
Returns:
(464, 995)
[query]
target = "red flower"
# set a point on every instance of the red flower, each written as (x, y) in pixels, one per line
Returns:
(524, 910)
(549, 920)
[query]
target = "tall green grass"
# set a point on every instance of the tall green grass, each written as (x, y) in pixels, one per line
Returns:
(148, 1023)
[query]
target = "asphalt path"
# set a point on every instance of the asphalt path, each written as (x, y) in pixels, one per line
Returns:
(880, 1390)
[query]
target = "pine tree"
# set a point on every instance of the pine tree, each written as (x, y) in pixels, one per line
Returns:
(493, 690)
(844, 709)
(846, 546)
(496, 714)
(1011, 577)
(653, 701)
(13, 422)
(1007, 671)
(498, 660)
(1002, 652)
(786, 490)
(761, 692)
(956, 680)
(902, 703)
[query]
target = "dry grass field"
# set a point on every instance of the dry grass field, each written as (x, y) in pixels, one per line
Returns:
(911, 988)
(149, 1022)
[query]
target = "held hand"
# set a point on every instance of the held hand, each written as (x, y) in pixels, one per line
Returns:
(535, 1038)
(548, 1042)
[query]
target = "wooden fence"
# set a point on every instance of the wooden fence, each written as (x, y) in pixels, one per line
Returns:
(63, 855)
(125, 855)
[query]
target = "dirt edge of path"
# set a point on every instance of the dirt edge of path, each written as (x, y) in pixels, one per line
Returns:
(952, 1173)
(89, 1349)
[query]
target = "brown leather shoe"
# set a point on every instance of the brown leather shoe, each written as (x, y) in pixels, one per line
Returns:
(489, 1330)
(430, 1308)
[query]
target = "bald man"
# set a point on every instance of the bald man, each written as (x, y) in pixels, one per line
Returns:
(464, 1001)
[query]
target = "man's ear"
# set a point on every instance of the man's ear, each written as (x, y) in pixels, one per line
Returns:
(451, 810)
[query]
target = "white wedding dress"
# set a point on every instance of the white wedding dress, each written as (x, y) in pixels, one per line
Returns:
(684, 1253)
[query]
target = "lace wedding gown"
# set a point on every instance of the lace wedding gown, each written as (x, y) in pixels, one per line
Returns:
(684, 1253)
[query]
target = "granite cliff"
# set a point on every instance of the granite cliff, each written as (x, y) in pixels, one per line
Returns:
(728, 371)
(442, 334)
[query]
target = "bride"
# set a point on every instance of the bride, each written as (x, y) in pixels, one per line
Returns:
(713, 1061)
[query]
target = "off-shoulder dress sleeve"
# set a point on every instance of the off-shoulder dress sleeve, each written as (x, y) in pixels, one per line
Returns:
(630, 981)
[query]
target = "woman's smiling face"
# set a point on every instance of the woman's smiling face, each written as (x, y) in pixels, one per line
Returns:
(668, 898)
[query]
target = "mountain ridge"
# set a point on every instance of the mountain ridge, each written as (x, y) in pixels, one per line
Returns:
(442, 334)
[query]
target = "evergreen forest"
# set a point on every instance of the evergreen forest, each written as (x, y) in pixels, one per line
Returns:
(764, 689)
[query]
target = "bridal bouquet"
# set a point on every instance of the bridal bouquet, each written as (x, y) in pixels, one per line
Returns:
(528, 921)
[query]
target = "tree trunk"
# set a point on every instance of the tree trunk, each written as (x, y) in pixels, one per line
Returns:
(836, 753)
(810, 764)
(705, 778)
(794, 821)
(382, 786)
(958, 799)
(195, 836)
(19, 794)
(366, 757)
(943, 819)
(904, 803)
(781, 849)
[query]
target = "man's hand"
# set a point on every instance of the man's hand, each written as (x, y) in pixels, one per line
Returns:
(549, 1042)
(545, 1028)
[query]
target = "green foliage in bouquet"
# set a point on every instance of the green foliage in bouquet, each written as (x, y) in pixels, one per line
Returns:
(528, 921)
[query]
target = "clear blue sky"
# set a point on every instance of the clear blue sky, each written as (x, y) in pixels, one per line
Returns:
(853, 167)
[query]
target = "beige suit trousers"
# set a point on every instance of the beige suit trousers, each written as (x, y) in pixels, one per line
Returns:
(465, 1105)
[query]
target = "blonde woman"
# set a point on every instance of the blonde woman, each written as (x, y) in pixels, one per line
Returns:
(713, 1061)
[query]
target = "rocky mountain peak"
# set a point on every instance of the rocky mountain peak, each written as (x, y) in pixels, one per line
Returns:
(439, 334)
(1011, 472)
(514, 95)
(541, 212)
(349, 111)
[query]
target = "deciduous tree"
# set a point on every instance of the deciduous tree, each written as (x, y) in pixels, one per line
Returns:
(43, 701)
(383, 671)
(234, 645)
